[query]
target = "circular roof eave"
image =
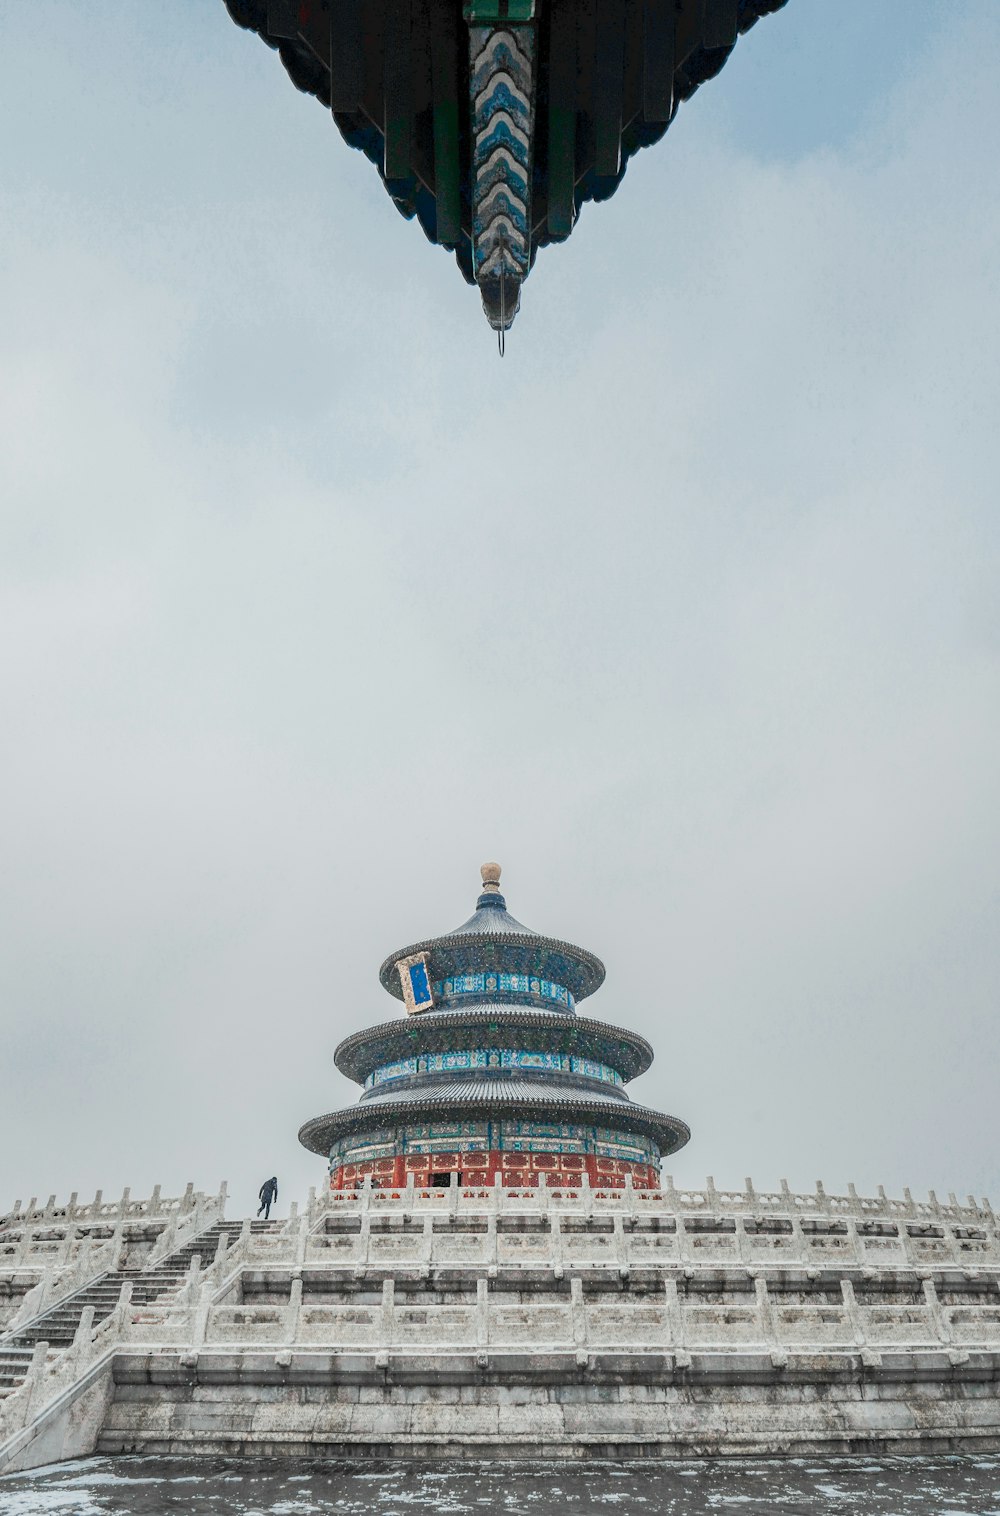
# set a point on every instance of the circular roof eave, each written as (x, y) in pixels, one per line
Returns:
(669, 1132)
(357, 1056)
(589, 970)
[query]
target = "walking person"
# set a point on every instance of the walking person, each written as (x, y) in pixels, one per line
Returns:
(268, 1194)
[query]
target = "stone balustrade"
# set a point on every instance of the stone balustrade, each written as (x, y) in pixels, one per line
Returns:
(572, 1318)
(156, 1206)
(50, 1253)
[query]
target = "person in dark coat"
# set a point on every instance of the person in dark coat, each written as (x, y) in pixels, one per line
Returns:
(268, 1195)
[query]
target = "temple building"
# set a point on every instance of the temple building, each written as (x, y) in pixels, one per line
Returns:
(492, 1070)
(493, 121)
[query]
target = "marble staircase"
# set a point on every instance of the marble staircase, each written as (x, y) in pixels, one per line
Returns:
(57, 1326)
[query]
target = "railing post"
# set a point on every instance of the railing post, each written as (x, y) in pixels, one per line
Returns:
(294, 1310)
(619, 1244)
(387, 1313)
(938, 1315)
(556, 1243)
(854, 1315)
(683, 1245)
(33, 1378)
(202, 1306)
(579, 1315)
(82, 1336)
(674, 1314)
(766, 1317)
(482, 1316)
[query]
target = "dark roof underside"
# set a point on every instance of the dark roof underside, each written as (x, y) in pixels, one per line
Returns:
(668, 1132)
(615, 70)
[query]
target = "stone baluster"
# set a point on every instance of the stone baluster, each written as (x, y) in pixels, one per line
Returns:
(453, 1195)
(683, 1241)
(674, 1313)
(556, 1244)
(190, 1287)
(187, 1199)
(578, 1312)
(587, 1195)
(24, 1247)
(855, 1245)
(294, 1315)
(202, 1307)
(769, 1322)
(853, 1313)
(82, 1337)
(387, 1314)
(798, 1235)
(123, 1307)
(33, 1380)
(938, 1313)
(116, 1247)
(740, 1238)
(619, 1245)
(631, 1205)
(482, 1318)
(427, 1240)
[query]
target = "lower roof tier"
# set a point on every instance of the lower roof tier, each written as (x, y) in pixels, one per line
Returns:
(533, 1104)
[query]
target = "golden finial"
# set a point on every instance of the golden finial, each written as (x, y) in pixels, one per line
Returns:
(491, 878)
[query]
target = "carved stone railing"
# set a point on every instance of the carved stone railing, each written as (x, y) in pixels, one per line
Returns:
(490, 1322)
(668, 1200)
(155, 1207)
(81, 1260)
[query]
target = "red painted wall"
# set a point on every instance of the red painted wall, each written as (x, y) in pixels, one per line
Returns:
(523, 1169)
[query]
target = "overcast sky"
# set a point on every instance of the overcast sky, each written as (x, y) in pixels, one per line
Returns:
(687, 611)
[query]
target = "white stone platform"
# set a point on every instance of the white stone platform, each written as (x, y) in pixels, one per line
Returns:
(528, 1323)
